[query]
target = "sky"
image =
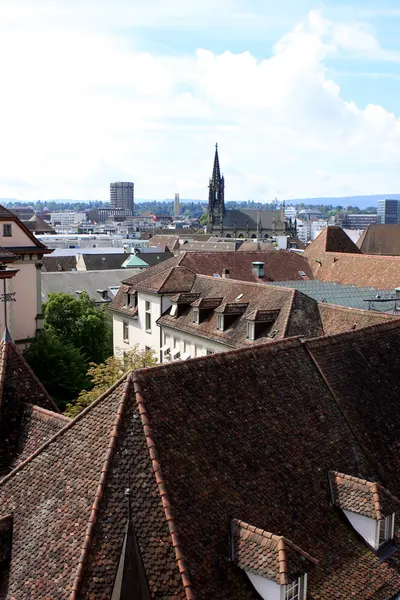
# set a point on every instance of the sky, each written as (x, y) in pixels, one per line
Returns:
(302, 96)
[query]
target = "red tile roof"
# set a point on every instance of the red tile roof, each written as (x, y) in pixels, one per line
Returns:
(338, 319)
(268, 555)
(251, 442)
(380, 239)
(363, 497)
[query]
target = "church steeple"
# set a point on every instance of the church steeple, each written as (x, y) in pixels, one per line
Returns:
(216, 204)
(131, 581)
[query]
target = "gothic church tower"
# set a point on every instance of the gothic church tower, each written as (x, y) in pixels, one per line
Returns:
(216, 205)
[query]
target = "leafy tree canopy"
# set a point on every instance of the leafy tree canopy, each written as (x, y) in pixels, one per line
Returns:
(59, 366)
(81, 323)
(103, 376)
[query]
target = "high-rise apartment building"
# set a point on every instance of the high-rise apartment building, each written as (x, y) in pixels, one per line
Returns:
(177, 208)
(388, 211)
(122, 195)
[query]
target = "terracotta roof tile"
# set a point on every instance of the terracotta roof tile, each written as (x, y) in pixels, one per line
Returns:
(380, 239)
(268, 555)
(366, 498)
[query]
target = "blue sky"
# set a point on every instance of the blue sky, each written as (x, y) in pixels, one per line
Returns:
(303, 97)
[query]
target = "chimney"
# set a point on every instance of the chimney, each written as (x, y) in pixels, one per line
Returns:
(226, 273)
(258, 268)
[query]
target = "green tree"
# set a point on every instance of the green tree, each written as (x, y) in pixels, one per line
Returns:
(203, 219)
(80, 322)
(58, 365)
(103, 376)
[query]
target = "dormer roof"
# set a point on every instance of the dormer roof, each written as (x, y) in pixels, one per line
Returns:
(232, 308)
(271, 556)
(363, 497)
(207, 303)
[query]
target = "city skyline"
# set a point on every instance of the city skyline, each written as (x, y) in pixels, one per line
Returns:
(302, 100)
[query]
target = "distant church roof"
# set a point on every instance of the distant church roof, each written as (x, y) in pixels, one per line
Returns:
(247, 218)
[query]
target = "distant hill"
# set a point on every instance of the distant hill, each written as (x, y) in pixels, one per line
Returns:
(361, 201)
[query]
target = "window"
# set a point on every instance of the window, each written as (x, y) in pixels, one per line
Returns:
(385, 530)
(220, 322)
(148, 316)
(174, 310)
(210, 352)
(251, 333)
(196, 351)
(196, 316)
(125, 332)
(184, 346)
(7, 230)
(296, 590)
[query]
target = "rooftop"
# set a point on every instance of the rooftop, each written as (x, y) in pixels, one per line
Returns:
(240, 450)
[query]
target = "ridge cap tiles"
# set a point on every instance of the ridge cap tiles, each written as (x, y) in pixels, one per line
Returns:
(175, 540)
(109, 453)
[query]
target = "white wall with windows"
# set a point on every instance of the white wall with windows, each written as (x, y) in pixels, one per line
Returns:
(178, 345)
(143, 330)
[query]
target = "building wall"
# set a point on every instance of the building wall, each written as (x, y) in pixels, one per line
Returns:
(188, 343)
(137, 327)
(22, 313)
(268, 590)
(365, 526)
(18, 236)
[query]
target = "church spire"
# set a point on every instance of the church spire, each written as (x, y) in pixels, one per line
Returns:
(216, 174)
(131, 581)
(216, 204)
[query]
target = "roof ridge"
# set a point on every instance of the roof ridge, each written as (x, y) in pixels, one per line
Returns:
(221, 357)
(100, 489)
(31, 372)
(289, 312)
(378, 256)
(50, 413)
(61, 431)
(179, 555)
(336, 337)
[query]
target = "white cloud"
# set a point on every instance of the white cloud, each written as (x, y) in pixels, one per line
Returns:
(81, 107)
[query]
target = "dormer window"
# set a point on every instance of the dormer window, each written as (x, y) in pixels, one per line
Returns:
(251, 329)
(196, 316)
(385, 531)
(297, 590)
(271, 562)
(174, 310)
(369, 508)
(220, 322)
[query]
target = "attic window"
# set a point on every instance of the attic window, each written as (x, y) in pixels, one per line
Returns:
(297, 590)
(220, 322)
(196, 316)
(251, 331)
(174, 310)
(385, 530)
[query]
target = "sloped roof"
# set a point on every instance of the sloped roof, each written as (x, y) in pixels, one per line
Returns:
(352, 268)
(6, 215)
(256, 247)
(268, 555)
(134, 261)
(362, 497)
(92, 282)
(251, 442)
(169, 241)
(294, 313)
(338, 319)
(332, 239)
(19, 390)
(380, 239)
(278, 265)
(361, 368)
(248, 218)
(59, 263)
(36, 223)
